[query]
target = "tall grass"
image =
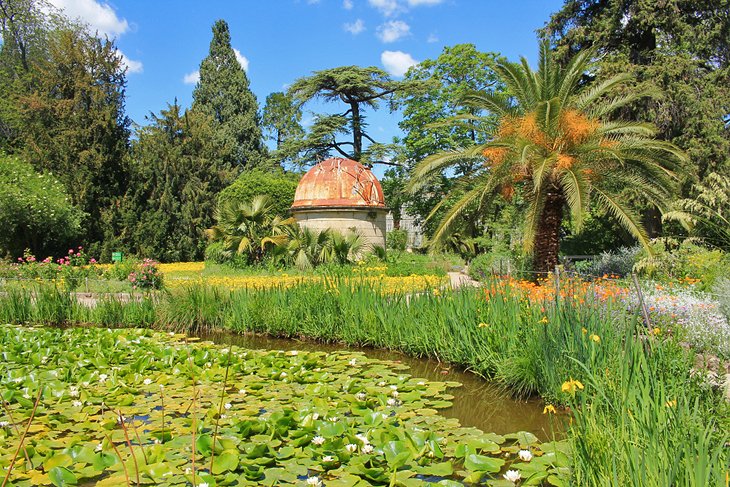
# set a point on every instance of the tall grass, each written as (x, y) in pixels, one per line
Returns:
(626, 427)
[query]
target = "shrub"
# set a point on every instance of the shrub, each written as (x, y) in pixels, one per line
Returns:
(613, 263)
(147, 276)
(396, 239)
(279, 186)
(484, 265)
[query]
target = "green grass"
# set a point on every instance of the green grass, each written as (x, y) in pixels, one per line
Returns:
(623, 432)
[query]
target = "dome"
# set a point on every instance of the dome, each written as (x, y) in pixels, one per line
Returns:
(339, 183)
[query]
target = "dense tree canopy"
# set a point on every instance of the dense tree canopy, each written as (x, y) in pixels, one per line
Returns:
(223, 93)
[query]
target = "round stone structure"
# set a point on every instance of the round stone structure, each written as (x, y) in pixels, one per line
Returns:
(342, 195)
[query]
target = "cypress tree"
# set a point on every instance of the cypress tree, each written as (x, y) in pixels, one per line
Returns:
(223, 93)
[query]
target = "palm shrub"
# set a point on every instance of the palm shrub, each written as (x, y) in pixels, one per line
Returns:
(249, 228)
(557, 147)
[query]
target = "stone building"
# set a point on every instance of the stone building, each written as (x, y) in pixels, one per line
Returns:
(343, 195)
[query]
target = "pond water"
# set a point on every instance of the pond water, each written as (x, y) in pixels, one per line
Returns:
(478, 403)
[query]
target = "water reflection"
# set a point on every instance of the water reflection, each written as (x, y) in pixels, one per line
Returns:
(477, 403)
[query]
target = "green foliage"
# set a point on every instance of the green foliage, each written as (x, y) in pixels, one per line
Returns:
(484, 266)
(671, 259)
(178, 167)
(555, 149)
(278, 186)
(678, 49)
(707, 214)
(396, 239)
(249, 228)
(224, 95)
(35, 211)
(282, 120)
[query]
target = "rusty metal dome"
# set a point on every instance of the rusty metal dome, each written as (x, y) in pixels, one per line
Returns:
(338, 183)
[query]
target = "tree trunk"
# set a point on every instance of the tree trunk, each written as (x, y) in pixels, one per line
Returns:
(356, 132)
(547, 239)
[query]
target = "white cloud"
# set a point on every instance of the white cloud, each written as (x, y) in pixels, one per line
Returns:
(101, 17)
(386, 7)
(347, 4)
(416, 3)
(432, 38)
(191, 78)
(354, 28)
(131, 65)
(393, 30)
(397, 62)
(242, 60)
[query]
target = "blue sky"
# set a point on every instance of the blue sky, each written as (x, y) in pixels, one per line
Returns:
(163, 42)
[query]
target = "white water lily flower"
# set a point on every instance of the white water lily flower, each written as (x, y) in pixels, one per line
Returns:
(394, 393)
(187, 471)
(283, 374)
(4, 424)
(315, 416)
(242, 392)
(392, 402)
(363, 439)
(420, 383)
(147, 382)
(394, 387)
(318, 440)
(367, 449)
(353, 362)
(314, 481)
(512, 475)
(227, 405)
(328, 459)
(351, 447)
(208, 364)
(334, 419)
(85, 383)
(98, 447)
(77, 404)
(73, 392)
(361, 396)
(203, 484)
(525, 455)
(103, 377)
(381, 384)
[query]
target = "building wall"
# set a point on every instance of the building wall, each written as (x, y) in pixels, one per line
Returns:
(410, 225)
(370, 224)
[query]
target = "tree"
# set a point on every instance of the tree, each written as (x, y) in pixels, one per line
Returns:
(223, 93)
(279, 186)
(553, 148)
(282, 118)
(74, 125)
(247, 228)
(446, 80)
(358, 88)
(178, 168)
(678, 48)
(35, 211)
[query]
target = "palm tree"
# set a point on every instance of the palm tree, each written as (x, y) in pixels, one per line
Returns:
(247, 228)
(555, 146)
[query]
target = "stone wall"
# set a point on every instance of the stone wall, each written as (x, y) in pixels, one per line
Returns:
(370, 224)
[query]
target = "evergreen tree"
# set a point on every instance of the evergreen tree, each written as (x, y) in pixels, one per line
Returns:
(223, 93)
(178, 168)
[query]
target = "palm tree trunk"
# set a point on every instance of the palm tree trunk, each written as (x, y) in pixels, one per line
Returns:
(547, 240)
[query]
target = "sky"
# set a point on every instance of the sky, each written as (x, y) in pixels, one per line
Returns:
(279, 41)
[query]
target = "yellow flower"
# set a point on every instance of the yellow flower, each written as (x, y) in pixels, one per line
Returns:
(584, 330)
(543, 320)
(483, 325)
(436, 292)
(570, 386)
(595, 338)
(671, 404)
(656, 331)
(549, 409)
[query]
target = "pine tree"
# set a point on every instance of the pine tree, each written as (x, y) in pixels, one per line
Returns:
(223, 93)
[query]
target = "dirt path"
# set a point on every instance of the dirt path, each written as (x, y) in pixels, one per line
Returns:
(459, 279)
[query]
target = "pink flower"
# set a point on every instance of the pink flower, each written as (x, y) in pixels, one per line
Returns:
(92, 261)
(70, 251)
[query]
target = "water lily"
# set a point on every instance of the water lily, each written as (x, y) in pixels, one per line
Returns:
(525, 455)
(512, 475)
(318, 440)
(351, 447)
(227, 405)
(147, 382)
(4, 424)
(363, 439)
(103, 377)
(361, 396)
(353, 362)
(366, 449)
(328, 459)
(242, 392)
(73, 392)
(99, 447)
(203, 484)
(394, 393)
(392, 402)
(314, 481)
(393, 387)
(77, 404)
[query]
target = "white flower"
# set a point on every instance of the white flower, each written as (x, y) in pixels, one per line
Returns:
(4, 424)
(283, 374)
(103, 377)
(172, 333)
(318, 440)
(360, 396)
(314, 481)
(294, 353)
(328, 459)
(203, 484)
(85, 384)
(224, 351)
(98, 447)
(381, 384)
(420, 383)
(363, 439)
(525, 455)
(392, 402)
(227, 405)
(351, 447)
(394, 388)
(353, 362)
(208, 364)
(147, 382)
(394, 393)
(78, 404)
(188, 471)
(367, 449)
(334, 419)
(242, 392)
(73, 392)
(315, 416)
(512, 475)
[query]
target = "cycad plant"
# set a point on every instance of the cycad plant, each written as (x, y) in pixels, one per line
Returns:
(556, 146)
(708, 213)
(248, 228)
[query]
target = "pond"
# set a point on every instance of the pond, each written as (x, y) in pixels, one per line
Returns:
(94, 406)
(477, 403)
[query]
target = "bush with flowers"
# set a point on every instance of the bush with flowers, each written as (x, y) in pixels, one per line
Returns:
(147, 276)
(70, 270)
